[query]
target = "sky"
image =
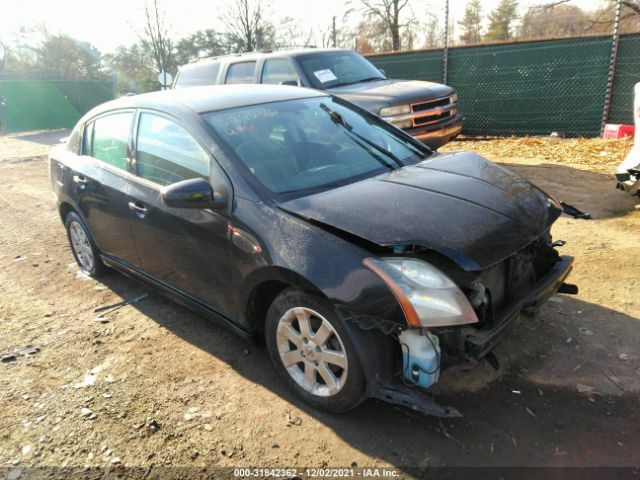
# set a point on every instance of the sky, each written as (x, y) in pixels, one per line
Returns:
(107, 24)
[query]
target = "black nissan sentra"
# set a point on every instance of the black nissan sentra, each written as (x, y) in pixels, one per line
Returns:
(366, 262)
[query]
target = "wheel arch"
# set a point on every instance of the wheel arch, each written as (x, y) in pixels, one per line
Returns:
(264, 285)
(64, 210)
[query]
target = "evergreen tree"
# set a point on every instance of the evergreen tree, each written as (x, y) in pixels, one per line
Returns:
(472, 22)
(501, 21)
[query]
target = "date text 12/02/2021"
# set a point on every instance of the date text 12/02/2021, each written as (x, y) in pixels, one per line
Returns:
(316, 472)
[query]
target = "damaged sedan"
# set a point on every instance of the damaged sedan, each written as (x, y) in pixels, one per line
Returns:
(362, 259)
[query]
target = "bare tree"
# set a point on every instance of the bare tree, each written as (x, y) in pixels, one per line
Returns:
(5, 53)
(602, 19)
(433, 33)
(561, 21)
(248, 27)
(156, 36)
(633, 5)
(388, 12)
(292, 35)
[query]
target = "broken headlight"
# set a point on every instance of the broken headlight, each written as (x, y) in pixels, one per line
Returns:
(427, 296)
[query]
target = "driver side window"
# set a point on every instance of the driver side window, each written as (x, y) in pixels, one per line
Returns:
(166, 153)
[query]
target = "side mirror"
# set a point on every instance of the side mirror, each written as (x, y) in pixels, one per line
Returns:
(193, 193)
(381, 70)
(291, 83)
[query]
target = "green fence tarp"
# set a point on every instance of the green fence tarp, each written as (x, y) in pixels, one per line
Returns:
(530, 88)
(45, 104)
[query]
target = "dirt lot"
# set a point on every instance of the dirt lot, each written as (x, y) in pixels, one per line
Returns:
(153, 385)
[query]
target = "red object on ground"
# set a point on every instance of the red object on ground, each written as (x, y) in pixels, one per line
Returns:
(614, 130)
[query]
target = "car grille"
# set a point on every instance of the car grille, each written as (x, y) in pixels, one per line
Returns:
(512, 278)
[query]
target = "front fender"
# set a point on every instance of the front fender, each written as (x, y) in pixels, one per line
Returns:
(299, 254)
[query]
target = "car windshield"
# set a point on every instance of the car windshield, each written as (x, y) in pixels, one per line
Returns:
(298, 147)
(334, 69)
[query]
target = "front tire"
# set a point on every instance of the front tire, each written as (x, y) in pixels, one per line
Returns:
(83, 247)
(312, 352)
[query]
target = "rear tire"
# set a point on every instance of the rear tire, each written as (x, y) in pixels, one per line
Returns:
(312, 352)
(83, 247)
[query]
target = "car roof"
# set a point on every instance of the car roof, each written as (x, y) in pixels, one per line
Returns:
(211, 97)
(247, 57)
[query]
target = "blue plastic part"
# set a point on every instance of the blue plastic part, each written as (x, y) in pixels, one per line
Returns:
(420, 358)
(399, 248)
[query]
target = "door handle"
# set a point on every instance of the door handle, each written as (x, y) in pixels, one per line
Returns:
(139, 208)
(80, 180)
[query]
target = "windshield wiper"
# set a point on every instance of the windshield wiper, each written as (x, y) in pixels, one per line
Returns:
(345, 84)
(370, 79)
(339, 120)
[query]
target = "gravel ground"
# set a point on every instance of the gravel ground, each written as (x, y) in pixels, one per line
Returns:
(153, 386)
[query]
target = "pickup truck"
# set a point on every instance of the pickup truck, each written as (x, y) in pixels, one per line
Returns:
(426, 110)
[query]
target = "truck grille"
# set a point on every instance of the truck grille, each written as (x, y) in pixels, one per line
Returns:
(420, 107)
(431, 118)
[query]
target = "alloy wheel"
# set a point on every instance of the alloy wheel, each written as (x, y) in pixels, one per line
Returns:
(312, 352)
(81, 246)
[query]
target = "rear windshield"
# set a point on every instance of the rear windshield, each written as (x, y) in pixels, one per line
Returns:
(205, 74)
(334, 69)
(297, 147)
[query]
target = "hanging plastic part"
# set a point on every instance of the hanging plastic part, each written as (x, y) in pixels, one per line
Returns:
(420, 358)
(574, 212)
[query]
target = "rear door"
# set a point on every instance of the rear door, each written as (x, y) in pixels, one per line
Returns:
(101, 181)
(241, 72)
(277, 71)
(187, 249)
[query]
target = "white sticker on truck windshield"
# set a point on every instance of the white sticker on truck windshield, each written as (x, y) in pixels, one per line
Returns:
(325, 75)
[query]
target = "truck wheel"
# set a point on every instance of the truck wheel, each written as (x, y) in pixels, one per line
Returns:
(312, 352)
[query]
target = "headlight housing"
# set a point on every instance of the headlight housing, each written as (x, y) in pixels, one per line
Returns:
(427, 296)
(454, 98)
(396, 110)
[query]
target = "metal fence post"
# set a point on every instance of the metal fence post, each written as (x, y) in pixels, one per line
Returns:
(612, 67)
(445, 51)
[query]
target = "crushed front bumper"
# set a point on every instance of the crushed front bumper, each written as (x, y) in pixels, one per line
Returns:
(478, 343)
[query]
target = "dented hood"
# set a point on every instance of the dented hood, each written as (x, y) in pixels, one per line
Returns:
(461, 205)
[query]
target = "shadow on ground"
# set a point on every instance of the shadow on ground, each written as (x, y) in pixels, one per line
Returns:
(588, 191)
(514, 417)
(44, 137)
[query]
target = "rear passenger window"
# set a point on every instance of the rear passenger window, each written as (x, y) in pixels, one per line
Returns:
(111, 138)
(241, 72)
(166, 153)
(278, 70)
(205, 74)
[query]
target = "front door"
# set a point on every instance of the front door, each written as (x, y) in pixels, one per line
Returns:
(187, 249)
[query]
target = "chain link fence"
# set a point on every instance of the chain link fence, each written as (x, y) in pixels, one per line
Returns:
(530, 88)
